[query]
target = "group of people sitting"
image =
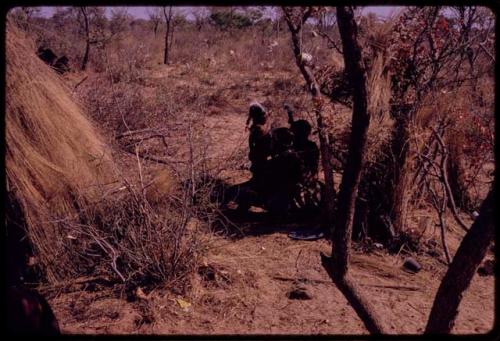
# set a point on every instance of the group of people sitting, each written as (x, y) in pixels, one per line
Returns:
(284, 166)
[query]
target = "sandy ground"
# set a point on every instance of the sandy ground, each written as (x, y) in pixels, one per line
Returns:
(248, 294)
(243, 284)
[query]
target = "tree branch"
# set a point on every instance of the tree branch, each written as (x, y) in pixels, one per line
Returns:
(444, 178)
(457, 279)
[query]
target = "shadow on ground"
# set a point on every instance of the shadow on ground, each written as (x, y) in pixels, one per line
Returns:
(234, 224)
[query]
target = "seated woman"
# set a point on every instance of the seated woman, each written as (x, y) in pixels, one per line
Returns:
(259, 142)
(283, 172)
(308, 195)
(278, 178)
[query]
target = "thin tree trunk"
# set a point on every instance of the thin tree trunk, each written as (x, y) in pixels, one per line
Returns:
(337, 266)
(171, 40)
(444, 178)
(155, 28)
(461, 270)
(87, 41)
(168, 19)
(360, 123)
(350, 180)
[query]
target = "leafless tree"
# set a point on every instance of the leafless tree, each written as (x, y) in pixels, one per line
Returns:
(154, 14)
(325, 28)
(23, 16)
(201, 17)
(93, 24)
(168, 15)
(85, 14)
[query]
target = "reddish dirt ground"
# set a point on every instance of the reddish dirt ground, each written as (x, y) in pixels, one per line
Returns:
(249, 278)
(248, 294)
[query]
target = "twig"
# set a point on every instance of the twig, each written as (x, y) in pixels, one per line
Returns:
(80, 82)
(154, 158)
(297, 261)
(140, 170)
(300, 279)
(411, 305)
(487, 52)
(443, 239)
(444, 176)
(133, 132)
(396, 287)
(152, 137)
(441, 210)
(419, 176)
(68, 283)
(330, 40)
(107, 248)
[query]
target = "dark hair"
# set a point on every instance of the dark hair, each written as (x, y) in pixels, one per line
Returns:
(283, 137)
(301, 128)
(257, 114)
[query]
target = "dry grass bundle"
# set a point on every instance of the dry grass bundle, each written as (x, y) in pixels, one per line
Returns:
(162, 185)
(379, 90)
(131, 241)
(55, 160)
(58, 168)
(379, 95)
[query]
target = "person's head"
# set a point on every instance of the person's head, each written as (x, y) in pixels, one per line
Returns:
(301, 129)
(282, 139)
(257, 113)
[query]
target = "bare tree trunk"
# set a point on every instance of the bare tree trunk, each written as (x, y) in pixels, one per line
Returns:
(463, 267)
(171, 39)
(337, 266)
(87, 41)
(337, 269)
(357, 143)
(278, 28)
(155, 27)
(168, 20)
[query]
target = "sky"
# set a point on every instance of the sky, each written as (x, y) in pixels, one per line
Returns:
(141, 11)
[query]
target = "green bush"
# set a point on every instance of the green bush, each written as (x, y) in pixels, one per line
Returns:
(225, 20)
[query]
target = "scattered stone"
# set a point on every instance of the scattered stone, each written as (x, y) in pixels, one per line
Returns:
(207, 272)
(378, 245)
(475, 215)
(299, 293)
(487, 268)
(139, 293)
(412, 265)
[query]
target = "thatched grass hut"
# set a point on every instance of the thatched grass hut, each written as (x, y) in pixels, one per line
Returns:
(56, 162)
